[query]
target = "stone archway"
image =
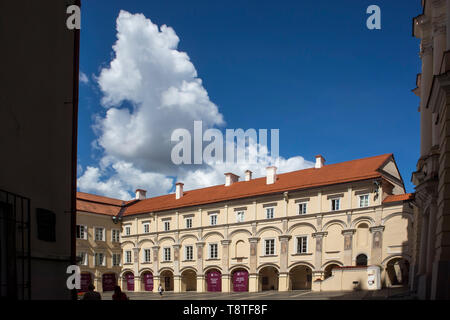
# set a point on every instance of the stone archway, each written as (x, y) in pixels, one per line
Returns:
(166, 278)
(300, 278)
(328, 272)
(239, 280)
(361, 260)
(268, 278)
(188, 280)
(147, 281)
(213, 279)
(397, 272)
(128, 281)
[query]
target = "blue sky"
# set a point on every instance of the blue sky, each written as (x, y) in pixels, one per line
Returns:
(310, 68)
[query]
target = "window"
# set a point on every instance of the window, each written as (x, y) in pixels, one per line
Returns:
(213, 251)
(189, 253)
(167, 256)
(213, 219)
(115, 235)
(116, 259)
(166, 225)
(302, 208)
(361, 260)
(269, 247)
(127, 256)
(127, 230)
(269, 213)
(147, 255)
(99, 234)
(146, 227)
(99, 259)
(82, 258)
(364, 200)
(336, 204)
(302, 244)
(240, 216)
(188, 223)
(81, 232)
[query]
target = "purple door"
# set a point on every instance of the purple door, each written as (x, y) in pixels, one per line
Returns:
(129, 277)
(240, 281)
(214, 281)
(85, 281)
(148, 281)
(109, 281)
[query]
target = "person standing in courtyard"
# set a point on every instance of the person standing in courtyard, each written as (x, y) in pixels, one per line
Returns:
(160, 290)
(119, 295)
(91, 294)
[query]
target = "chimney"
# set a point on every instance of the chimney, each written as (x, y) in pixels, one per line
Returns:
(271, 175)
(141, 194)
(320, 161)
(230, 178)
(179, 190)
(248, 175)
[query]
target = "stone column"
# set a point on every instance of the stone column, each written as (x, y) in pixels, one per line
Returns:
(283, 279)
(319, 249)
(377, 245)
(176, 268)
(348, 246)
(137, 282)
(156, 278)
(200, 275)
(225, 265)
(253, 276)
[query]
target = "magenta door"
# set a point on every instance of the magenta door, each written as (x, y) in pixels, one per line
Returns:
(108, 281)
(85, 281)
(240, 281)
(148, 281)
(214, 281)
(129, 277)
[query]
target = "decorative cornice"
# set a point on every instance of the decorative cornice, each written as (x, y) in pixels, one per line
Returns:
(225, 242)
(376, 228)
(348, 231)
(253, 239)
(320, 234)
(284, 237)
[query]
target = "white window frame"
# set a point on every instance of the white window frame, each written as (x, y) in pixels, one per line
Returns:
(117, 233)
(213, 219)
(103, 233)
(267, 212)
(297, 246)
(128, 253)
(127, 230)
(368, 200)
(85, 231)
(116, 260)
(238, 213)
(331, 203)
(84, 258)
(187, 253)
(97, 254)
(165, 251)
(305, 206)
(188, 222)
(144, 226)
(210, 251)
(166, 225)
(149, 251)
(264, 249)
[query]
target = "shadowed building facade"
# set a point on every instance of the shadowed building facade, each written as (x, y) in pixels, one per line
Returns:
(290, 231)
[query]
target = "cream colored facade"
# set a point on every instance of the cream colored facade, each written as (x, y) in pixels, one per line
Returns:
(432, 267)
(307, 243)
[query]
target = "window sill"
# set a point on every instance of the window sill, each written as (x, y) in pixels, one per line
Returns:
(302, 254)
(128, 263)
(212, 259)
(168, 261)
(269, 256)
(147, 262)
(187, 260)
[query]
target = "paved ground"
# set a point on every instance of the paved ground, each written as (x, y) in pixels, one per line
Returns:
(390, 293)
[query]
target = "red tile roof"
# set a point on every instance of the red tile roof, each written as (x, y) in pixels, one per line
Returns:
(354, 170)
(97, 204)
(399, 197)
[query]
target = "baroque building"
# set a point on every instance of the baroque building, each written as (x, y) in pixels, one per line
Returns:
(432, 270)
(298, 230)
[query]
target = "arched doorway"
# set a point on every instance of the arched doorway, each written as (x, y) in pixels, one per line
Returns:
(213, 279)
(239, 281)
(328, 272)
(109, 281)
(268, 279)
(361, 260)
(128, 281)
(86, 279)
(397, 272)
(300, 278)
(147, 281)
(189, 280)
(167, 280)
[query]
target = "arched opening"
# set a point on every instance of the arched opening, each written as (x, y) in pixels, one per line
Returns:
(109, 281)
(188, 280)
(147, 281)
(85, 280)
(239, 280)
(213, 280)
(397, 272)
(361, 260)
(128, 281)
(167, 280)
(268, 279)
(328, 272)
(300, 278)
